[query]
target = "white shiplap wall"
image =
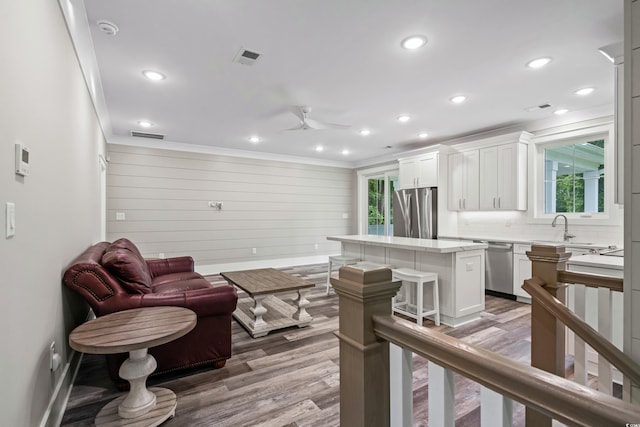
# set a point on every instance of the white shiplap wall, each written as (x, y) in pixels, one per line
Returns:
(282, 209)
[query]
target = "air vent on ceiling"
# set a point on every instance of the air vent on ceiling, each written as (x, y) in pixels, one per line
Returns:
(246, 57)
(147, 135)
(538, 107)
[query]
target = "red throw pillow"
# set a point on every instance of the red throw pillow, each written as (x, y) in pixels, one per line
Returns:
(128, 267)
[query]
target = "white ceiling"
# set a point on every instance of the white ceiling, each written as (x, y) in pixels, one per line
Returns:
(342, 58)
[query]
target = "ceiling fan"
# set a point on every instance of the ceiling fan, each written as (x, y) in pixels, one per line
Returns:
(306, 123)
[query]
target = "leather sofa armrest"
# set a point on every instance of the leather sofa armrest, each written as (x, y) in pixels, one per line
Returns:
(159, 267)
(219, 300)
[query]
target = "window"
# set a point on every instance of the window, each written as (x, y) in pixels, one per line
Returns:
(574, 175)
(375, 199)
(380, 205)
(572, 172)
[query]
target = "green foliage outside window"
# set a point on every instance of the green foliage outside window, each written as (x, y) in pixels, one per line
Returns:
(376, 201)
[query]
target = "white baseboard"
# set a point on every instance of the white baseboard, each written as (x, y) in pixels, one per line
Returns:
(265, 263)
(58, 403)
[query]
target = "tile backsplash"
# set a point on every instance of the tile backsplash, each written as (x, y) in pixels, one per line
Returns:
(518, 226)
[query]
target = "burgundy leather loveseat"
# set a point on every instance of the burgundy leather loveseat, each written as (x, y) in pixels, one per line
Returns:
(114, 277)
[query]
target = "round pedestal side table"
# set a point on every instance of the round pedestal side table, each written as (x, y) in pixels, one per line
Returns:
(134, 331)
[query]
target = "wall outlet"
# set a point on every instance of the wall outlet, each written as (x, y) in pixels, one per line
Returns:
(119, 216)
(54, 358)
(254, 251)
(161, 255)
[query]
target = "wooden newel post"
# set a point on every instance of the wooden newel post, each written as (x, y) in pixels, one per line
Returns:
(364, 359)
(547, 334)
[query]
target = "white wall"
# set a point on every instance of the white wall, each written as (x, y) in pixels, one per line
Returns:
(281, 209)
(44, 104)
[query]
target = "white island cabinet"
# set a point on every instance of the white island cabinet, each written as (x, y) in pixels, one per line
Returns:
(459, 265)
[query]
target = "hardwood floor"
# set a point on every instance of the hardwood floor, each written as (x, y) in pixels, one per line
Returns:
(291, 377)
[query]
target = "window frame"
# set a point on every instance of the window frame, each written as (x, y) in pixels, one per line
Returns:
(537, 177)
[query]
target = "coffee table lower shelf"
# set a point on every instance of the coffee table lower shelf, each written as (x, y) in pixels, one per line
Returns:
(273, 314)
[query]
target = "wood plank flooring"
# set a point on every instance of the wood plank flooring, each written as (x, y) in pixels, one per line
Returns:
(291, 377)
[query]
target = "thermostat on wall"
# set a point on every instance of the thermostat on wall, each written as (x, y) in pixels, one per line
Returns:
(22, 160)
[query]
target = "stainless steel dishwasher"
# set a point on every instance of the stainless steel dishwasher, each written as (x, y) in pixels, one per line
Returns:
(499, 268)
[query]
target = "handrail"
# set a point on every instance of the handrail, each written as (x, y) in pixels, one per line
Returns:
(590, 280)
(554, 396)
(601, 345)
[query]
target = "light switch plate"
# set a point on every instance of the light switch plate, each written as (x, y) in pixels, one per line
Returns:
(10, 219)
(120, 216)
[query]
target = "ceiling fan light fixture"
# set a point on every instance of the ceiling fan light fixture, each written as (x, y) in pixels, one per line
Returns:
(538, 63)
(414, 42)
(584, 91)
(319, 148)
(345, 152)
(153, 75)
(404, 118)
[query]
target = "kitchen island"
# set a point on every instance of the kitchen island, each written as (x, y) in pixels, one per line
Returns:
(459, 265)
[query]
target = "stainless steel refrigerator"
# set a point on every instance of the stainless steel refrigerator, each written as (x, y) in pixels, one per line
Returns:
(415, 213)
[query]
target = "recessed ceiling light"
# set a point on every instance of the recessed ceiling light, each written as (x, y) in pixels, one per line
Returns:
(423, 135)
(538, 63)
(254, 139)
(561, 111)
(153, 75)
(345, 152)
(319, 148)
(145, 123)
(365, 132)
(584, 91)
(458, 99)
(404, 118)
(414, 42)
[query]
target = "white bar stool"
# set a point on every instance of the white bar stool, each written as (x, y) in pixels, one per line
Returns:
(340, 260)
(420, 278)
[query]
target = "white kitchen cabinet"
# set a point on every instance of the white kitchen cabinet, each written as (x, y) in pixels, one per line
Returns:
(463, 175)
(416, 172)
(521, 271)
(503, 177)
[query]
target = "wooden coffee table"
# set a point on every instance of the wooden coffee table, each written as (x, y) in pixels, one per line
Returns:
(263, 312)
(135, 331)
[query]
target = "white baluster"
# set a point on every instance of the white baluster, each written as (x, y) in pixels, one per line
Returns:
(496, 410)
(604, 327)
(401, 386)
(580, 348)
(441, 397)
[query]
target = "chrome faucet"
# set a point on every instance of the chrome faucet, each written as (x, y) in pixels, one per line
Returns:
(567, 236)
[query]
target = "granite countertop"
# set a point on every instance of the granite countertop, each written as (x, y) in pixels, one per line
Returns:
(409, 243)
(577, 244)
(599, 261)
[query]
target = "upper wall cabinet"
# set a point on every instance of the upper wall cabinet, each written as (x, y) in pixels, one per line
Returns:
(503, 177)
(416, 172)
(490, 174)
(463, 181)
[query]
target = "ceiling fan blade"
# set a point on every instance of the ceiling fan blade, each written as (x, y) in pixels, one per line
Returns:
(298, 112)
(326, 125)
